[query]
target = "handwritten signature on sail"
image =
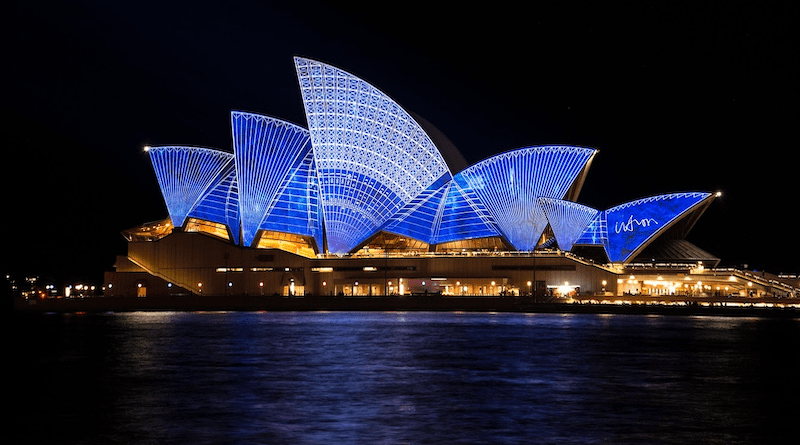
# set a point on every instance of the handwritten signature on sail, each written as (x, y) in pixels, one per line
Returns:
(632, 224)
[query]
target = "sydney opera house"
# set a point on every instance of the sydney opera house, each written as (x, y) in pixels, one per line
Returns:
(371, 199)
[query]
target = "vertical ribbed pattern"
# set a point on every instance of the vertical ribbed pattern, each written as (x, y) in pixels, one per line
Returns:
(221, 203)
(185, 174)
(567, 219)
(267, 152)
(510, 184)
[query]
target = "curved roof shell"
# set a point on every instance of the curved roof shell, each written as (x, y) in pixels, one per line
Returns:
(365, 165)
(510, 184)
(372, 157)
(277, 185)
(186, 174)
(625, 230)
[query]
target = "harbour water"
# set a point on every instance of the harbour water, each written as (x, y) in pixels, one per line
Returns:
(402, 378)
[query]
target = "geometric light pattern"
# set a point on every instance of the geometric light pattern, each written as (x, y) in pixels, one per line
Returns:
(567, 219)
(632, 225)
(296, 207)
(596, 233)
(510, 185)
(463, 216)
(220, 204)
(418, 218)
(372, 157)
(267, 152)
(185, 174)
(365, 165)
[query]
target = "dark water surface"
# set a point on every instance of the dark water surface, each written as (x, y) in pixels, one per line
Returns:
(397, 378)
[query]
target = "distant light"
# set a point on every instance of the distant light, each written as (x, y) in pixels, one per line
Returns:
(146, 148)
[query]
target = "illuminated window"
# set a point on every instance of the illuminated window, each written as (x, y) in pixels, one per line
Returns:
(208, 227)
(288, 242)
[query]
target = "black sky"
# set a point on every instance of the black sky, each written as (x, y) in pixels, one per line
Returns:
(676, 96)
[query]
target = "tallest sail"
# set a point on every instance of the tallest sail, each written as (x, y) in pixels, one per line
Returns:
(372, 156)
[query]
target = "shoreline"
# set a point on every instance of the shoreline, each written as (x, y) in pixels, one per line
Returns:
(241, 303)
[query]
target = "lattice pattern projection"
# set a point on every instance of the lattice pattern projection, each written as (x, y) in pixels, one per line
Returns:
(567, 219)
(267, 152)
(221, 203)
(596, 233)
(372, 157)
(510, 184)
(185, 174)
(634, 224)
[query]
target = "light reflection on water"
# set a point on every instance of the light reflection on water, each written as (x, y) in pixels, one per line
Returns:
(405, 377)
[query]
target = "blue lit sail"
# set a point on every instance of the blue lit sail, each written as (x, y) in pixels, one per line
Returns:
(268, 154)
(632, 225)
(567, 219)
(366, 165)
(372, 157)
(221, 203)
(463, 216)
(510, 184)
(185, 174)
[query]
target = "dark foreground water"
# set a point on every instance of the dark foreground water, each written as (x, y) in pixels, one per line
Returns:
(402, 378)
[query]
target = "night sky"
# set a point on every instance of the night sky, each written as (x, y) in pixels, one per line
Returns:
(676, 96)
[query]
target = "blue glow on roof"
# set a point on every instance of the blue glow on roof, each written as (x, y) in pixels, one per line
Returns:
(510, 184)
(268, 154)
(463, 216)
(296, 208)
(372, 157)
(418, 218)
(596, 233)
(631, 225)
(366, 165)
(185, 174)
(567, 219)
(221, 203)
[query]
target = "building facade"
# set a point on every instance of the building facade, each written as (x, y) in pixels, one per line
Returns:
(370, 199)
